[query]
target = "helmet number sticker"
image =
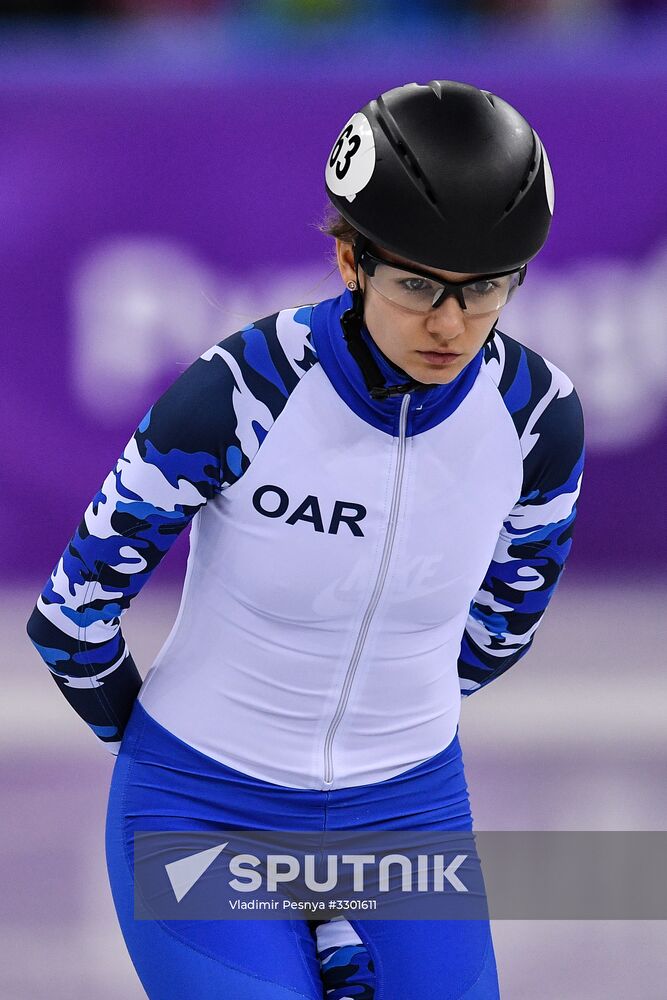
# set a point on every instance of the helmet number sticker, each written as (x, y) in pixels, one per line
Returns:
(354, 142)
(352, 160)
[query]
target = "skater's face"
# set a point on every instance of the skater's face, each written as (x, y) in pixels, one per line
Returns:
(415, 341)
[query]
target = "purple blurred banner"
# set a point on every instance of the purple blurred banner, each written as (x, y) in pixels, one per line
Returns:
(142, 224)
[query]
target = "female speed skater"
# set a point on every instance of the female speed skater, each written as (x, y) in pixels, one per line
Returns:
(381, 489)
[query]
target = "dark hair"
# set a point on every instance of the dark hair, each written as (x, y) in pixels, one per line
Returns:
(333, 224)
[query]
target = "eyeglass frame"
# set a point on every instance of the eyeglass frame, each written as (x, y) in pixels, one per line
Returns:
(454, 288)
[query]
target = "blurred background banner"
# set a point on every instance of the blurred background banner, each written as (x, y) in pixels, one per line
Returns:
(161, 185)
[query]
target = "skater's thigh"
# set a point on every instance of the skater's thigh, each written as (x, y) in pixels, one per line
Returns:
(212, 959)
(431, 959)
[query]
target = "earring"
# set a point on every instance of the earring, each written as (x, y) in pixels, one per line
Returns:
(352, 285)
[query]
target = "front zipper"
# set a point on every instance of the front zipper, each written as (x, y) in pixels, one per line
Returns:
(375, 596)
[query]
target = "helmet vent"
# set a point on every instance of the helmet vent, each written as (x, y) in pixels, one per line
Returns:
(408, 157)
(489, 98)
(528, 179)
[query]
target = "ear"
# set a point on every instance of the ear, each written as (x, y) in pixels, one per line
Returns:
(345, 258)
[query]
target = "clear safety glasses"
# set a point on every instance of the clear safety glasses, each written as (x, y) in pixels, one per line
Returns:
(420, 291)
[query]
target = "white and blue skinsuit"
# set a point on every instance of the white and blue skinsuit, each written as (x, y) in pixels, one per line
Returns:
(355, 566)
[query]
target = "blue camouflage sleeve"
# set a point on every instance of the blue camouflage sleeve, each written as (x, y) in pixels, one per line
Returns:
(535, 539)
(197, 439)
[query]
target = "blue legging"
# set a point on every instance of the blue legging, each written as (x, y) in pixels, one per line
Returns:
(161, 783)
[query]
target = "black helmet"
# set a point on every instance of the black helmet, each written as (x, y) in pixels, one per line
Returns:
(445, 175)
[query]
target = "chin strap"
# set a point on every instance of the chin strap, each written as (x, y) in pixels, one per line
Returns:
(492, 333)
(351, 321)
